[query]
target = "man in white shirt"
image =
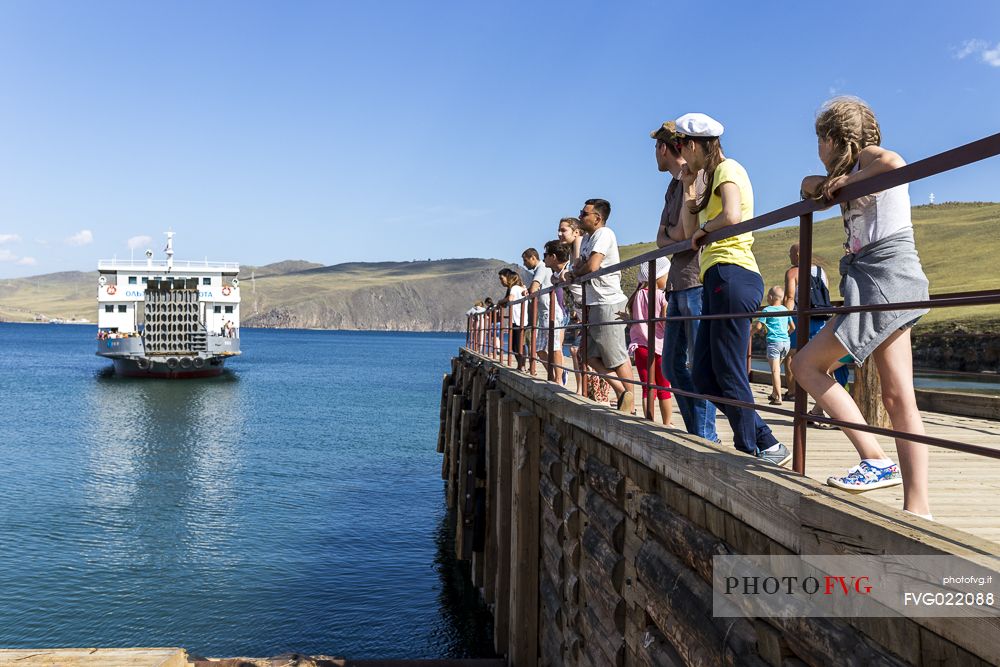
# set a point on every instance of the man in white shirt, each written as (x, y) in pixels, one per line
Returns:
(604, 299)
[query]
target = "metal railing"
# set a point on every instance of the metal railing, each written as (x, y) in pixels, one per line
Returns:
(487, 329)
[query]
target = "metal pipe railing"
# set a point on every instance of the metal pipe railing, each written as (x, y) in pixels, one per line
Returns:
(946, 161)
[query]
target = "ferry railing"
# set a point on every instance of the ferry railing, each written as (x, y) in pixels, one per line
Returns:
(803, 210)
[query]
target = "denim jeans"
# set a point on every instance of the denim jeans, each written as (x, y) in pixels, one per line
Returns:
(720, 351)
(698, 415)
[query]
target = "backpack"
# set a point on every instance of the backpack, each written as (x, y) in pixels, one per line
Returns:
(819, 294)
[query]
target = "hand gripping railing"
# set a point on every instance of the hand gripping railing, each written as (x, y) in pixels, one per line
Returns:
(486, 330)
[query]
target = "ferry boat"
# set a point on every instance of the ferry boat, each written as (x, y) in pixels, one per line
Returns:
(168, 319)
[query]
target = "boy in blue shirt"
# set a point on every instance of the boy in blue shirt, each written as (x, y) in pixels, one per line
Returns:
(778, 328)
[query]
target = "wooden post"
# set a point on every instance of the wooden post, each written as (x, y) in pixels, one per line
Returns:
(466, 488)
(478, 390)
(523, 640)
(453, 449)
(867, 392)
(492, 451)
(501, 523)
(445, 381)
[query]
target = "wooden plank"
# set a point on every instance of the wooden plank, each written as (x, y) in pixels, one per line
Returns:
(492, 449)
(608, 519)
(466, 485)
(95, 657)
(605, 479)
(551, 495)
(680, 536)
(445, 383)
(654, 650)
(478, 391)
(608, 605)
(523, 627)
(606, 558)
(454, 449)
(552, 465)
(680, 603)
(502, 524)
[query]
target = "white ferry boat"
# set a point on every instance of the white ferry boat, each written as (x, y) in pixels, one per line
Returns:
(168, 319)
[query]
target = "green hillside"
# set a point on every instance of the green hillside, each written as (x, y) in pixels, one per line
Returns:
(959, 246)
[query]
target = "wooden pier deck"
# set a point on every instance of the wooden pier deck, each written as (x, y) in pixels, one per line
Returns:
(965, 488)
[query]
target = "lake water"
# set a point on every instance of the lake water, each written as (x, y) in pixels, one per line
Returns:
(293, 504)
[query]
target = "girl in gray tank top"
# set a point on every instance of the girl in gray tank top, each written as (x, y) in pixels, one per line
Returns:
(881, 267)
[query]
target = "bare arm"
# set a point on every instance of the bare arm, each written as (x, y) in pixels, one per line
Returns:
(791, 284)
(731, 214)
(592, 264)
(535, 286)
(874, 160)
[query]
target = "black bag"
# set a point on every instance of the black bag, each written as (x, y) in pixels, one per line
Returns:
(819, 294)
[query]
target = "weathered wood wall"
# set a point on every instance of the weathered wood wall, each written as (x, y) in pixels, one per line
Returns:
(596, 534)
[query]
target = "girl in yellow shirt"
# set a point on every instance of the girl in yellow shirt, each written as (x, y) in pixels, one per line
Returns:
(731, 279)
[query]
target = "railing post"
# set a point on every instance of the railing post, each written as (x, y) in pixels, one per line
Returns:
(650, 340)
(801, 338)
(584, 328)
(534, 329)
(552, 335)
(520, 342)
(510, 331)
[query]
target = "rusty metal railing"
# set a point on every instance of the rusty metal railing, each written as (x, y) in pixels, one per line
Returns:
(486, 330)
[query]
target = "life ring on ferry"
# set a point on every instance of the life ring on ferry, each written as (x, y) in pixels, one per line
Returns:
(199, 362)
(172, 363)
(227, 290)
(111, 290)
(185, 362)
(142, 363)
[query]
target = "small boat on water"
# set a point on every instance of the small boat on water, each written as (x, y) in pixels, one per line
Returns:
(167, 319)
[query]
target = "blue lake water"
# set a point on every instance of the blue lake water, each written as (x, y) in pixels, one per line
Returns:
(293, 504)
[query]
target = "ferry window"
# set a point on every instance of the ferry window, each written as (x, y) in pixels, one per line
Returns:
(217, 309)
(122, 308)
(109, 308)
(229, 309)
(206, 281)
(132, 280)
(145, 279)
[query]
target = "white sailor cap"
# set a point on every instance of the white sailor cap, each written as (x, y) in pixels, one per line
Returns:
(698, 125)
(662, 267)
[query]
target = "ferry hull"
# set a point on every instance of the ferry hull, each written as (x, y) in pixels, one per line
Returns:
(155, 369)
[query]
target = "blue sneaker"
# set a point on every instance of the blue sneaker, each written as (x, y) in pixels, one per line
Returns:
(865, 477)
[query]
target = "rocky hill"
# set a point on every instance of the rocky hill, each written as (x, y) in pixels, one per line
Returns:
(393, 296)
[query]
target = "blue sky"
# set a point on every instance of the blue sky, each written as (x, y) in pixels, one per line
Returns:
(336, 131)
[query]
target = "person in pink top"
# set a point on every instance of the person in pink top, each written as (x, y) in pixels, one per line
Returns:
(638, 307)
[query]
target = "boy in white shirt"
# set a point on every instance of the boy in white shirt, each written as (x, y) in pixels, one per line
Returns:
(603, 296)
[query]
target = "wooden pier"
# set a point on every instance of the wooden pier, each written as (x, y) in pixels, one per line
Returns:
(590, 533)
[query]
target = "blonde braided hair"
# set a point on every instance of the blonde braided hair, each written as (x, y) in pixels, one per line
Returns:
(851, 124)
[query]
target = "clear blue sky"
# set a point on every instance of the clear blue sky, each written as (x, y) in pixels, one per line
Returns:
(364, 131)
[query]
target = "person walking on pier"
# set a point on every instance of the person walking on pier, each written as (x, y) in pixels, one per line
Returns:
(603, 296)
(776, 328)
(731, 279)
(881, 267)
(684, 290)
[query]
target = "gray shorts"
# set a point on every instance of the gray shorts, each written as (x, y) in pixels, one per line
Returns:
(607, 342)
(778, 349)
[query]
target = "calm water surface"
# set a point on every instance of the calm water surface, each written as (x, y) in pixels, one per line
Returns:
(294, 504)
